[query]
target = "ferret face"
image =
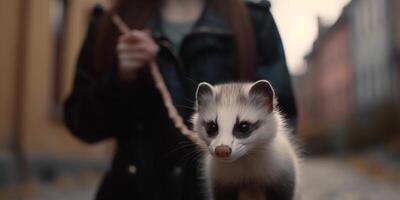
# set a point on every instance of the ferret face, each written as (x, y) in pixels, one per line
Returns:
(234, 119)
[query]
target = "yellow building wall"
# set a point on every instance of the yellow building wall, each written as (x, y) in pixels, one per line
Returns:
(8, 51)
(43, 134)
(76, 29)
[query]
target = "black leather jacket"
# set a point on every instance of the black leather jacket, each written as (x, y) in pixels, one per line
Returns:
(153, 160)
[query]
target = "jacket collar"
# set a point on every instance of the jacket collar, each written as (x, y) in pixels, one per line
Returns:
(209, 22)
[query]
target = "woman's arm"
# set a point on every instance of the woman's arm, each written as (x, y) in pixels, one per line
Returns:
(272, 62)
(97, 106)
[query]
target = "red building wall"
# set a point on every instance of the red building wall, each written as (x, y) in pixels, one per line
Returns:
(396, 28)
(330, 74)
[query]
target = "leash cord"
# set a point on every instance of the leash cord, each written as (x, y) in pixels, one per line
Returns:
(158, 81)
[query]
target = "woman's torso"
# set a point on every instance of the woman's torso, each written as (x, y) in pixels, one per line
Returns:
(153, 160)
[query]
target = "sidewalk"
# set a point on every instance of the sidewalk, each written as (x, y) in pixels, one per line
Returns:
(81, 186)
(324, 178)
(334, 179)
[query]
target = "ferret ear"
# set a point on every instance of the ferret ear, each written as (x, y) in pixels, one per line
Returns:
(263, 89)
(204, 93)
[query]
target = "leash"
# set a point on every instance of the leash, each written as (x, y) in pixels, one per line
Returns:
(158, 80)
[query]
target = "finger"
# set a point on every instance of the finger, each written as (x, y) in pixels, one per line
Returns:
(130, 65)
(136, 35)
(131, 37)
(150, 48)
(124, 46)
(147, 31)
(143, 35)
(135, 57)
(127, 47)
(126, 37)
(143, 56)
(154, 48)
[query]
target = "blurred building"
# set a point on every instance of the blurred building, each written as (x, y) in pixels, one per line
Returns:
(396, 31)
(372, 53)
(348, 94)
(327, 96)
(373, 25)
(39, 43)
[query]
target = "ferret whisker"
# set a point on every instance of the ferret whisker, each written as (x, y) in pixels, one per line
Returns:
(187, 107)
(184, 145)
(190, 154)
(181, 146)
(190, 101)
(192, 80)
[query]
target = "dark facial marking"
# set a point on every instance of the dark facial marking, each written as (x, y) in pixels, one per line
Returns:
(211, 128)
(243, 129)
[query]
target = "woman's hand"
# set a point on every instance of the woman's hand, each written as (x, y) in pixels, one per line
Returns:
(135, 50)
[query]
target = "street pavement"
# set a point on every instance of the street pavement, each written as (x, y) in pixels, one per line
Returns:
(322, 179)
(334, 179)
(84, 193)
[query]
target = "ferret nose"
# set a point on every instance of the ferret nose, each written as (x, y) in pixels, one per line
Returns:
(223, 151)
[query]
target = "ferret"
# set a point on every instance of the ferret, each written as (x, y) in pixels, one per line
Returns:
(248, 151)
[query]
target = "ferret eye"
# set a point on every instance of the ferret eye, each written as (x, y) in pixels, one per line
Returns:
(244, 127)
(212, 129)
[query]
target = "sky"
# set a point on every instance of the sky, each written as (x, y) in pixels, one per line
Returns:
(297, 23)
